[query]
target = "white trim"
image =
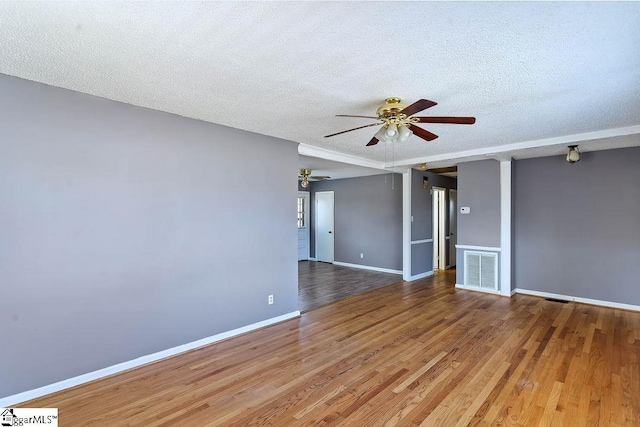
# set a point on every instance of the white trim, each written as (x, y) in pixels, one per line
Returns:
(581, 300)
(307, 207)
(513, 292)
(367, 267)
(560, 140)
(439, 227)
(143, 360)
(476, 289)
(479, 248)
(417, 242)
(322, 153)
(505, 226)
(421, 276)
(406, 224)
(313, 259)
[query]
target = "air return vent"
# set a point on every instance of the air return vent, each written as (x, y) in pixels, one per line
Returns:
(481, 270)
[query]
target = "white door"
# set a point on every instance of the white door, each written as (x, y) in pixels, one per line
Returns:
(453, 226)
(303, 226)
(324, 226)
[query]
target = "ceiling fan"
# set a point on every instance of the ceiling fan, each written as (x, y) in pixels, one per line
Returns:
(398, 124)
(305, 175)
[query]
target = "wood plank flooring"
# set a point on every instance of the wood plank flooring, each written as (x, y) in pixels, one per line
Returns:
(320, 283)
(408, 354)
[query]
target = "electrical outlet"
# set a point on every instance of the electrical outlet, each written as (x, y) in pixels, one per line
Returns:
(361, 255)
(270, 299)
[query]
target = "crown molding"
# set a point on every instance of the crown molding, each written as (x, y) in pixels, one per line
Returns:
(496, 150)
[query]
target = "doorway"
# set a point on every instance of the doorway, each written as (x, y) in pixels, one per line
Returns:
(303, 226)
(324, 218)
(453, 226)
(439, 238)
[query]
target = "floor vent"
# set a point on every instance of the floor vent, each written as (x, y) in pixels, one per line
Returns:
(561, 301)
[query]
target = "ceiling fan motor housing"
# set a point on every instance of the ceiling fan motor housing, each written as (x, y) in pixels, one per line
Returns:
(391, 108)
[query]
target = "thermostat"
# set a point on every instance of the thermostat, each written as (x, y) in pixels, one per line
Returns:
(465, 210)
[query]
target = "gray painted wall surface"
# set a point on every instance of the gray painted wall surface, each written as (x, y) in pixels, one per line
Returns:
(422, 212)
(126, 231)
(368, 219)
(479, 189)
(577, 229)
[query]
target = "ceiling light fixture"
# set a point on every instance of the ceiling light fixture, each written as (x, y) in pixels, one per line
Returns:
(422, 166)
(304, 173)
(573, 155)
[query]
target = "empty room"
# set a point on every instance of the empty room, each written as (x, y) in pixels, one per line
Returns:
(466, 249)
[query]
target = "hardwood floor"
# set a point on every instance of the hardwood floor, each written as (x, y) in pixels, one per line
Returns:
(320, 283)
(408, 354)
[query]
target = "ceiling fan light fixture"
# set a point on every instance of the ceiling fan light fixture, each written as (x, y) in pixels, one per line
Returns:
(392, 130)
(381, 135)
(304, 183)
(573, 155)
(422, 166)
(404, 132)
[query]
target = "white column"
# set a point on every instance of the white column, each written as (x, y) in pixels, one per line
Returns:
(505, 227)
(406, 224)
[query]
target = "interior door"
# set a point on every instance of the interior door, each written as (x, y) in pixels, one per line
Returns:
(324, 226)
(453, 226)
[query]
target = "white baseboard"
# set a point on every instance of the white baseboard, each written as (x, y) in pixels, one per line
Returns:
(421, 276)
(367, 267)
(135, 363)
(485, 291)
(313, 259)
(602, 303)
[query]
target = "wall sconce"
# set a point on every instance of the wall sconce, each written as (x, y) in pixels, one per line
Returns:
(573, 155)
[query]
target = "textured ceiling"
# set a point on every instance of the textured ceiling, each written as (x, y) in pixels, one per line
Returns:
(527, 71)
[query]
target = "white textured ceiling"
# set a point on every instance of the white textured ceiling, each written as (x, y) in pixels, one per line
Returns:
(526, 71)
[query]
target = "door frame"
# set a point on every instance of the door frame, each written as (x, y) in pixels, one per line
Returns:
(439, 237)
(315, 224)
(307, 196)
(453, 213)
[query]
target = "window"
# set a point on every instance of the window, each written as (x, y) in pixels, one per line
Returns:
(301, 222)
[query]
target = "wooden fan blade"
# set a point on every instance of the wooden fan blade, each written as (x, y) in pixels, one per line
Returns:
(452, 120)
(422, 133)
(319, 178)
(345, 131)
(373, 141)
(418, 106)
(362, 117)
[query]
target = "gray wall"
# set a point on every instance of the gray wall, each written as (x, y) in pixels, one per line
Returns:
(577, 228)
(422, 212)
(368, 219)
(126, 231)
(479, 189)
